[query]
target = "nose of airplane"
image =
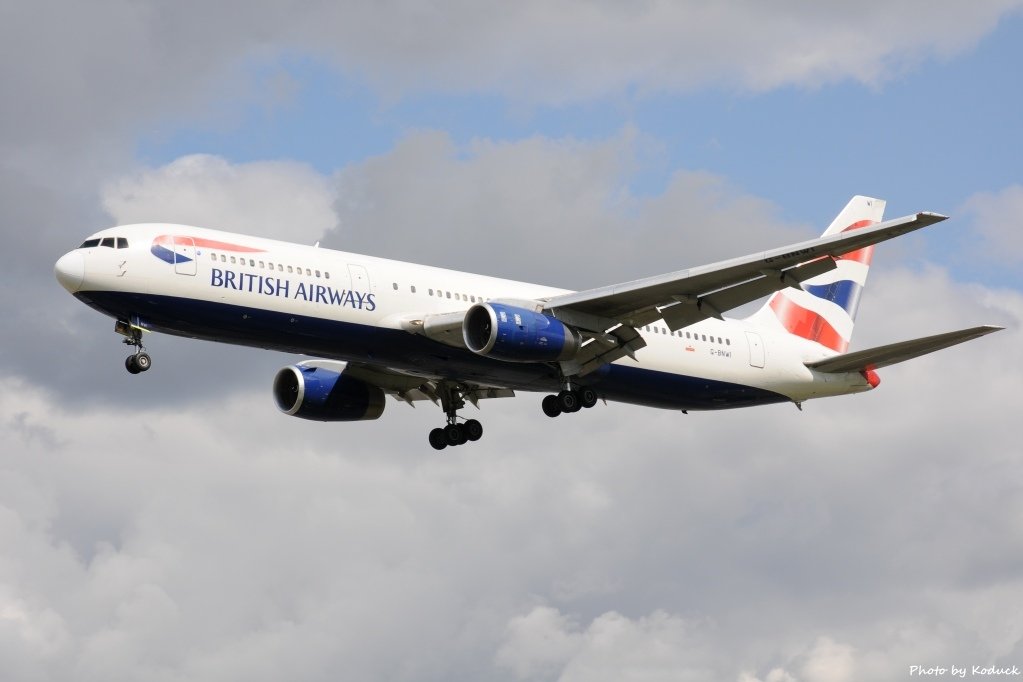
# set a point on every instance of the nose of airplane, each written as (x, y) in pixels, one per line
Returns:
(70, 270)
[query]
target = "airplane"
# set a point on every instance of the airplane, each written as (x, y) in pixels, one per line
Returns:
(376, 327)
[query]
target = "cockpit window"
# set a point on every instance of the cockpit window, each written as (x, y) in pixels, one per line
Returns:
(122, 243)
(107, 241)
(89, 243)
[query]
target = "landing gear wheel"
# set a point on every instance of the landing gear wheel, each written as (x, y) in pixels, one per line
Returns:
(143, 361)
(587, 397)
(473, 430)
(550, 406)
(455, 434)
(438, 439)
(131, 365)
(568, 401)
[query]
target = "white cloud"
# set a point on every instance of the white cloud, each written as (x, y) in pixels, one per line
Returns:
(286, 200)
(829, 661)
(996, 219)
(554, 211)
(202, 543)
(544, 644)
(107, 66)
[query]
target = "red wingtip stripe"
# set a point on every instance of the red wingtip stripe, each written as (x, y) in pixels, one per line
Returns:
(807, 324)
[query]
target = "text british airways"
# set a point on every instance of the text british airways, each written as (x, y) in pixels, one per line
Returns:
(276, 286)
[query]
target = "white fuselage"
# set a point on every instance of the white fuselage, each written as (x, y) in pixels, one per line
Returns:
(259, 292)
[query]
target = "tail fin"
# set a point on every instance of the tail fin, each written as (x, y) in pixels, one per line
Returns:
(824, 310)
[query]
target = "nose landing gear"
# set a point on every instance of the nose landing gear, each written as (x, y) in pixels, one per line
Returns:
(139, 362)
(132, 333)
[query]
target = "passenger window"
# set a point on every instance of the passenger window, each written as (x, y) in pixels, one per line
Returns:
(327, 275)
(232, 260)
(290, 270)
(223, 258)
(728, 342)
(308, 272)
(262, 265)
(431, 292)
(252, 262)
(704, 337)
(122, 243)
(270, 265)
(280, 268)
(448, 293)
(107, 241)
(472, 298)
(213, 257)
(89, 243)
(413, 288)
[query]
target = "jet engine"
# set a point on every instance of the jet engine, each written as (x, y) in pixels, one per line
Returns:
(325, 395)
(514, 334)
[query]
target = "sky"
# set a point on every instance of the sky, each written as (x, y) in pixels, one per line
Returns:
(175, 526)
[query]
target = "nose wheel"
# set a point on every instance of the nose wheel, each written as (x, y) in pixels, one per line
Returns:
(140, 360)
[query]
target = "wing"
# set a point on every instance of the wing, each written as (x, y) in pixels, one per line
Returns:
(611, 314)
(893, 353)
(413, 387)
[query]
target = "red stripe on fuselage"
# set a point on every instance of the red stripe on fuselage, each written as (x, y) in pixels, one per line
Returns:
(182, 240)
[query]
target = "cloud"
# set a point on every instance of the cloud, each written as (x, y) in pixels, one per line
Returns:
(558, 211)
(996, 219)
(181, 528)
(583, 50)
(101, 69)
(285, 200)
(201, 543)
(543, 644)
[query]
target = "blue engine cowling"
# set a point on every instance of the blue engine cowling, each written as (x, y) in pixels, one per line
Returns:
(506, 332)
(325, 395)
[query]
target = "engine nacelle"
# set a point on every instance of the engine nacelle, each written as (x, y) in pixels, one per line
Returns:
(514, 334)
(325, 395)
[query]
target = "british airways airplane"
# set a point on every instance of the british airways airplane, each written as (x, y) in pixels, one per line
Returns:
(380, 327)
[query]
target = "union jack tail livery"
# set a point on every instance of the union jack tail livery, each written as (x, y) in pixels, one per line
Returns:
(824, 309)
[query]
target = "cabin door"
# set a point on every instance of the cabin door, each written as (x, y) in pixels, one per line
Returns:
(184, 256)
(756, 349)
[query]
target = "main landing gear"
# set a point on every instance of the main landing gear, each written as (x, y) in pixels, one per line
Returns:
(452, 398)
(140, 360)
(569, 400)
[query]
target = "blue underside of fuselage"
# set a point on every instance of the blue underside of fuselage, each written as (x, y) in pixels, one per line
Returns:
(394, 348)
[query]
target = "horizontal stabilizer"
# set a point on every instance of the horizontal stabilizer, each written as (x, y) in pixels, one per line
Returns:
(893, 353)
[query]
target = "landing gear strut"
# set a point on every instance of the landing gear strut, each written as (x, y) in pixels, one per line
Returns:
(568, 401)
(140, 360)
(452, 398)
